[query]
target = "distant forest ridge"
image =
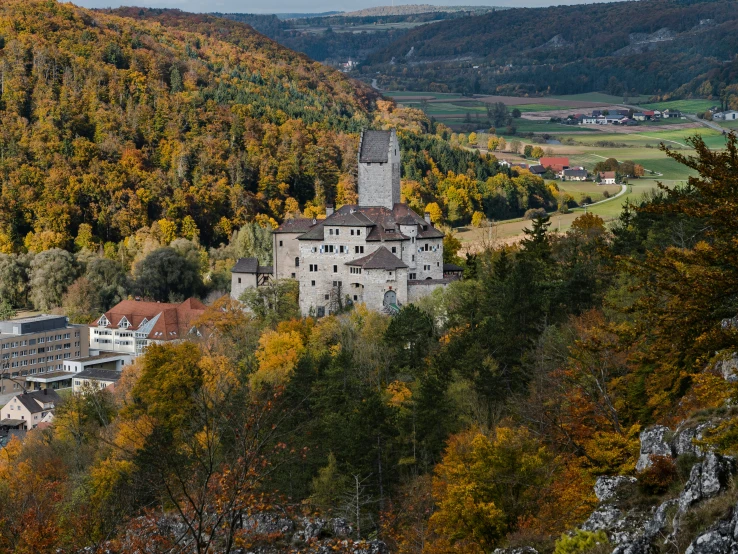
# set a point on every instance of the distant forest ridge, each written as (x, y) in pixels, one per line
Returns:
(652, 46)
(410, 9)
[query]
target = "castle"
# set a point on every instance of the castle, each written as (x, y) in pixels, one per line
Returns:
(379, 252)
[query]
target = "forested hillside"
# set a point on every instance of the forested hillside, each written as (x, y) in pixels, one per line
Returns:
(650, 46)
(479, 418)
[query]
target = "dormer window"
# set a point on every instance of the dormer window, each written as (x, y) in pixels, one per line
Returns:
(103, 321)
(144, 322)
(123, 323)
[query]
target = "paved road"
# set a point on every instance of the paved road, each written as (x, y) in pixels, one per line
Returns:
(710, 124)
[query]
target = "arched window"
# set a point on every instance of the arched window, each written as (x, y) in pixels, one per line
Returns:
(297, 262)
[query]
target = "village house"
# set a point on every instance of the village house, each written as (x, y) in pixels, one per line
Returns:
(726, 116)
(28, 409)
(578, 174)
(607, 177)
(131, 325)
(96, 378)
(557, 165)
(378, 252)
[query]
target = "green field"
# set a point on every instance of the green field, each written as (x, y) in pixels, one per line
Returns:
(687, 106)
(601, 97)
(537, 107)
(400, 94)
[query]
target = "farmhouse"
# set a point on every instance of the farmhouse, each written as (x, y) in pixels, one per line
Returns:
(28, 409)
(556, 164)
(574, 174)
(607, 177)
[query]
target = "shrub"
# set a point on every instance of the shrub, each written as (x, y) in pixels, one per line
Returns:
(582, 542)
(534, 213)
(657, 478)
(606, 194)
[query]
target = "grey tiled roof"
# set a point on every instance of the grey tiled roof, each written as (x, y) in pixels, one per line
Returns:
(246, 265)
(99, 374)
(29, 399)
(374, 146)
(381, 258)
(296, 225)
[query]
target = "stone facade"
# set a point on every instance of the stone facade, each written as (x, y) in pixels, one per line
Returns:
(378, 252)
(379, 169)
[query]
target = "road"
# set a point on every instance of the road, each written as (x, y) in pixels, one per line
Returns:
(710, 124)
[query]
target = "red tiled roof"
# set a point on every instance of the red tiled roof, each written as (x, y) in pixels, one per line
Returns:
(174, 322)
(556, 163)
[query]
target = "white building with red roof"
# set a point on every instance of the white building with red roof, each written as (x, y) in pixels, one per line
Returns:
(131, 325)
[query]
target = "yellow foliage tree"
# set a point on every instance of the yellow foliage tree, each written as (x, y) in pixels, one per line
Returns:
(492, 143)
(167, 230)
(477, 219)
(472, 139)
(436, 214)
(278, 355)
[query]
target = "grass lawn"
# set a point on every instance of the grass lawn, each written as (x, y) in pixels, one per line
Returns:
(400, 94)
(538, 107)
(688, 106)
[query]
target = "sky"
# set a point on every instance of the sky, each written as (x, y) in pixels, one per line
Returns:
(306, 6)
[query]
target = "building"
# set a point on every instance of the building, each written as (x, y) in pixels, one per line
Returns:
(247, 273)
(96, 378)
(537, 169)
(671, 114)
(574, 175)
(556, 164)
(28, 409)
(378, 252)
(131, 325)
(37, 346)
(726, 116)
(607, 177)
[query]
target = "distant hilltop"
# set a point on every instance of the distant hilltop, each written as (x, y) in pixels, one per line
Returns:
(412, 9)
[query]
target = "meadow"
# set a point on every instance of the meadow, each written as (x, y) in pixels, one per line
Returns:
(688, 106)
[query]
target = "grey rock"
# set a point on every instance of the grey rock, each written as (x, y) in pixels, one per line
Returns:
(607, 487)
(516, 550)
(728, 367)
(706, 480)
(340, 527)
(653, 443)
(721, 538)
(602, 519)
(310, 529)
(682, 442)
(268, 524)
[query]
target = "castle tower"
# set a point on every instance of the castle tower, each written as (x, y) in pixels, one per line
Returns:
(379, 169)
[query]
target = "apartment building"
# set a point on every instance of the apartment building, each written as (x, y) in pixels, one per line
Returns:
(36, 346)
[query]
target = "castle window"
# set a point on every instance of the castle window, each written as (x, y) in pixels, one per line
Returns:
(426, 268)
(412, 276)
(343, 249)
(356, 270)
(330, 231)
(352, 232)
(356, 297)
(358, 232)
(313, 267)
(413, 257)
(394, 250)
(297, 261)
(358, 249)
(337, 231)
(335, 269)
(239, 280)
(312, 283)
(280, 243)
(327, 296)
(293, 275)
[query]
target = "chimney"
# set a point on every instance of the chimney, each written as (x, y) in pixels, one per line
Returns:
(427, 217)
(328, 210)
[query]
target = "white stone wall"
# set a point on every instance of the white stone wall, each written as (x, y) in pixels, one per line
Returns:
(416, 291)
(285, 249)
(240, 282)
(378, 281)
(432, 257)
(379, 183)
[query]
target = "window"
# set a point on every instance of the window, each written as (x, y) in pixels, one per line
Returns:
(329, 248)
(343, 249)
(413, 257)
(297, 262)
(313, 267)
(358, 232)
(312, 283)
(337, 283)
(327, 296)
(293, 275)
(352, 232)
(356, 270)
(337, 231)
(390, 273)
(280, 243)
(412, 240)
(412, 276)
(330, 232)
(356, 297)
(335, 269)
(394, 250)
(426, 267)
(239, 280)
(358, 249)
